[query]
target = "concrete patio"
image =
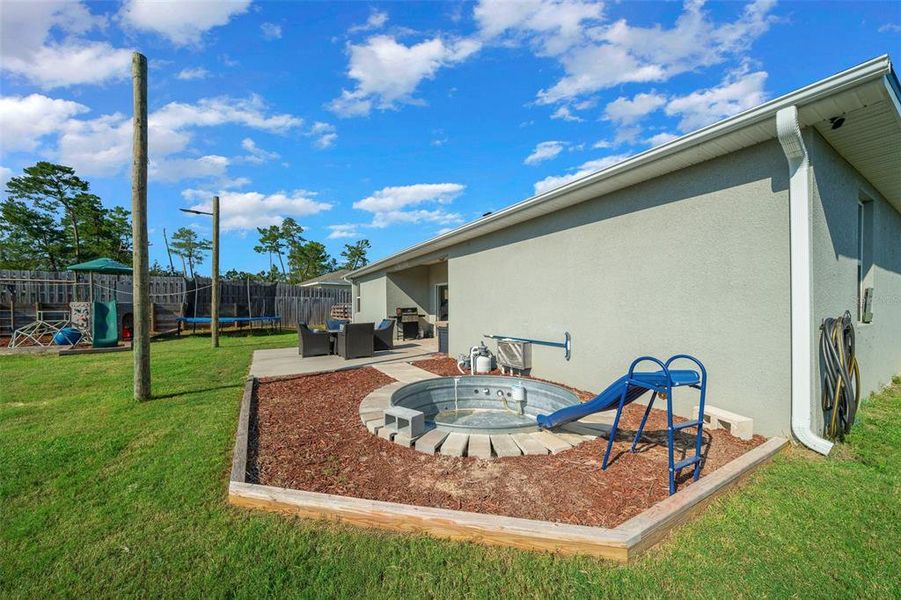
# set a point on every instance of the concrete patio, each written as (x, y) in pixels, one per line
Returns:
(286, 361)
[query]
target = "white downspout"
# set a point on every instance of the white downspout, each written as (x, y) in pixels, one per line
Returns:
(789, 131)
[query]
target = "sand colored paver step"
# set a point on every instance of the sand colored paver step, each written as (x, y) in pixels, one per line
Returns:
(431, 441)
(404, 372)
(374, 425)
(479, 446)
(386, 433)
(504, 445)
(455, 444)
(552, 442)
(402, 439)
(377, 400)
(371, 416)
(529, 445)
(573, 439)
(592, 429)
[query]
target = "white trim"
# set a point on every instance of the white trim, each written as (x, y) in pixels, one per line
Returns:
(438, 300)
(789, 133)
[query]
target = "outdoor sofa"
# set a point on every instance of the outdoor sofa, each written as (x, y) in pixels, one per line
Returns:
(356, 340)
(384, 335)
(312, 343)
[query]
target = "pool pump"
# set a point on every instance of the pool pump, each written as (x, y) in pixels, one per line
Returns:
(479, 360)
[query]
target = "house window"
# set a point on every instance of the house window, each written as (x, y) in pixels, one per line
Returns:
(865, 274)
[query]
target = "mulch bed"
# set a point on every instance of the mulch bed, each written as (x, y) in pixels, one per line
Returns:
(306, 434)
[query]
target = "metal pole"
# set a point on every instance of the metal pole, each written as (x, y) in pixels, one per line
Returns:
(214, 308)
(140, 271)
(168, 252)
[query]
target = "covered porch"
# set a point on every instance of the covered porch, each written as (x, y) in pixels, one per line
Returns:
(417, 293)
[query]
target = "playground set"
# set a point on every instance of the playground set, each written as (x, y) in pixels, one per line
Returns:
(92, 323)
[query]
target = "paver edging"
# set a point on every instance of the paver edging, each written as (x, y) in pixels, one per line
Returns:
(621, 543)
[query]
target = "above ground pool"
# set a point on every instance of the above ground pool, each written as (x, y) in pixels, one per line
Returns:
(483, 404)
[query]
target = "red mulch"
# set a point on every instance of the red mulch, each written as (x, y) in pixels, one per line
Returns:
(307, 435)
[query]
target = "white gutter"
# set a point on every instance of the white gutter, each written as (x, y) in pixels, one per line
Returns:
(789, 132)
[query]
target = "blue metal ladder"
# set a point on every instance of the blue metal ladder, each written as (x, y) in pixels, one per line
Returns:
(664, 388)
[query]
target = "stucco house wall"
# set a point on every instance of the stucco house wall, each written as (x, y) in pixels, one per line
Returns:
(837, 188)
(414, 286)
(371, 292)
(696, 261)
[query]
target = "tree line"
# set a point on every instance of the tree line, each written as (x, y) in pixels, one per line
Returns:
(50, 220)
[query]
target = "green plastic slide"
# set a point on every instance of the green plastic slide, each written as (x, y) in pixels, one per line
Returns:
(105, 326)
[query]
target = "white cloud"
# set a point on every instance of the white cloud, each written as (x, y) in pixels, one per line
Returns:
(566, 114)
(26, 120)
(661, 138)
(592, 166)
(545, 151)
(271, 31)
(739, 91)
(5, 175)
(551, 26)
(193, 73)
(342, 231)
(624, 111)
(179, 169)
(388, 72)
(602, 144)
(247, 210)
(402, 204)
(101, 146)
(619, 53)
(324, 133)
(256, 155)
(182, 23)
(890, 28)
(376, 20)
(30, 51)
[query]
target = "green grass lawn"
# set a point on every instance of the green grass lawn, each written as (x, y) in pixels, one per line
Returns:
(100, 495)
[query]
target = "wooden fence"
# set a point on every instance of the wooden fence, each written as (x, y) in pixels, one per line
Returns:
(25, 293)
(295, 304)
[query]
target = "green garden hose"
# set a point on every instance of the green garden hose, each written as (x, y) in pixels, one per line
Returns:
(841, 376)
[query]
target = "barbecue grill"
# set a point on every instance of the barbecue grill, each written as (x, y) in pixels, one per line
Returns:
(408, 322)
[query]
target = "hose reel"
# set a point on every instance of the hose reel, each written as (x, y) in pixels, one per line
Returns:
(841, 376)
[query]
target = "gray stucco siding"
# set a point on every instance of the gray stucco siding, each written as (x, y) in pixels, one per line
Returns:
(372, 291)
(696, 262)
(837, 188)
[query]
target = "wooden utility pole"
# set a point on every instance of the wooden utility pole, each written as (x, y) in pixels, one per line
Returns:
(214, 307)
(140, 270)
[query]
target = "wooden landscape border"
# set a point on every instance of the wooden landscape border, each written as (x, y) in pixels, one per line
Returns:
(621, 543)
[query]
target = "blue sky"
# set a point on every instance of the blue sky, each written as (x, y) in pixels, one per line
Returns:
(392, 121)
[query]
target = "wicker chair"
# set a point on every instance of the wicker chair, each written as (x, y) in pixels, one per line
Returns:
(312, 343)
(384, 335)
(335, 324)
(356, 340)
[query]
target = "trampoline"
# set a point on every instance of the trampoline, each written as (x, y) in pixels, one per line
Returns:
(274, 322)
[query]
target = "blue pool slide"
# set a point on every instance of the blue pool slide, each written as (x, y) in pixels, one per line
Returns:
(609, 398)
(629, 388)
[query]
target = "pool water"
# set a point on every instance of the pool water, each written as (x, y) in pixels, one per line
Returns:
(482, 404)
